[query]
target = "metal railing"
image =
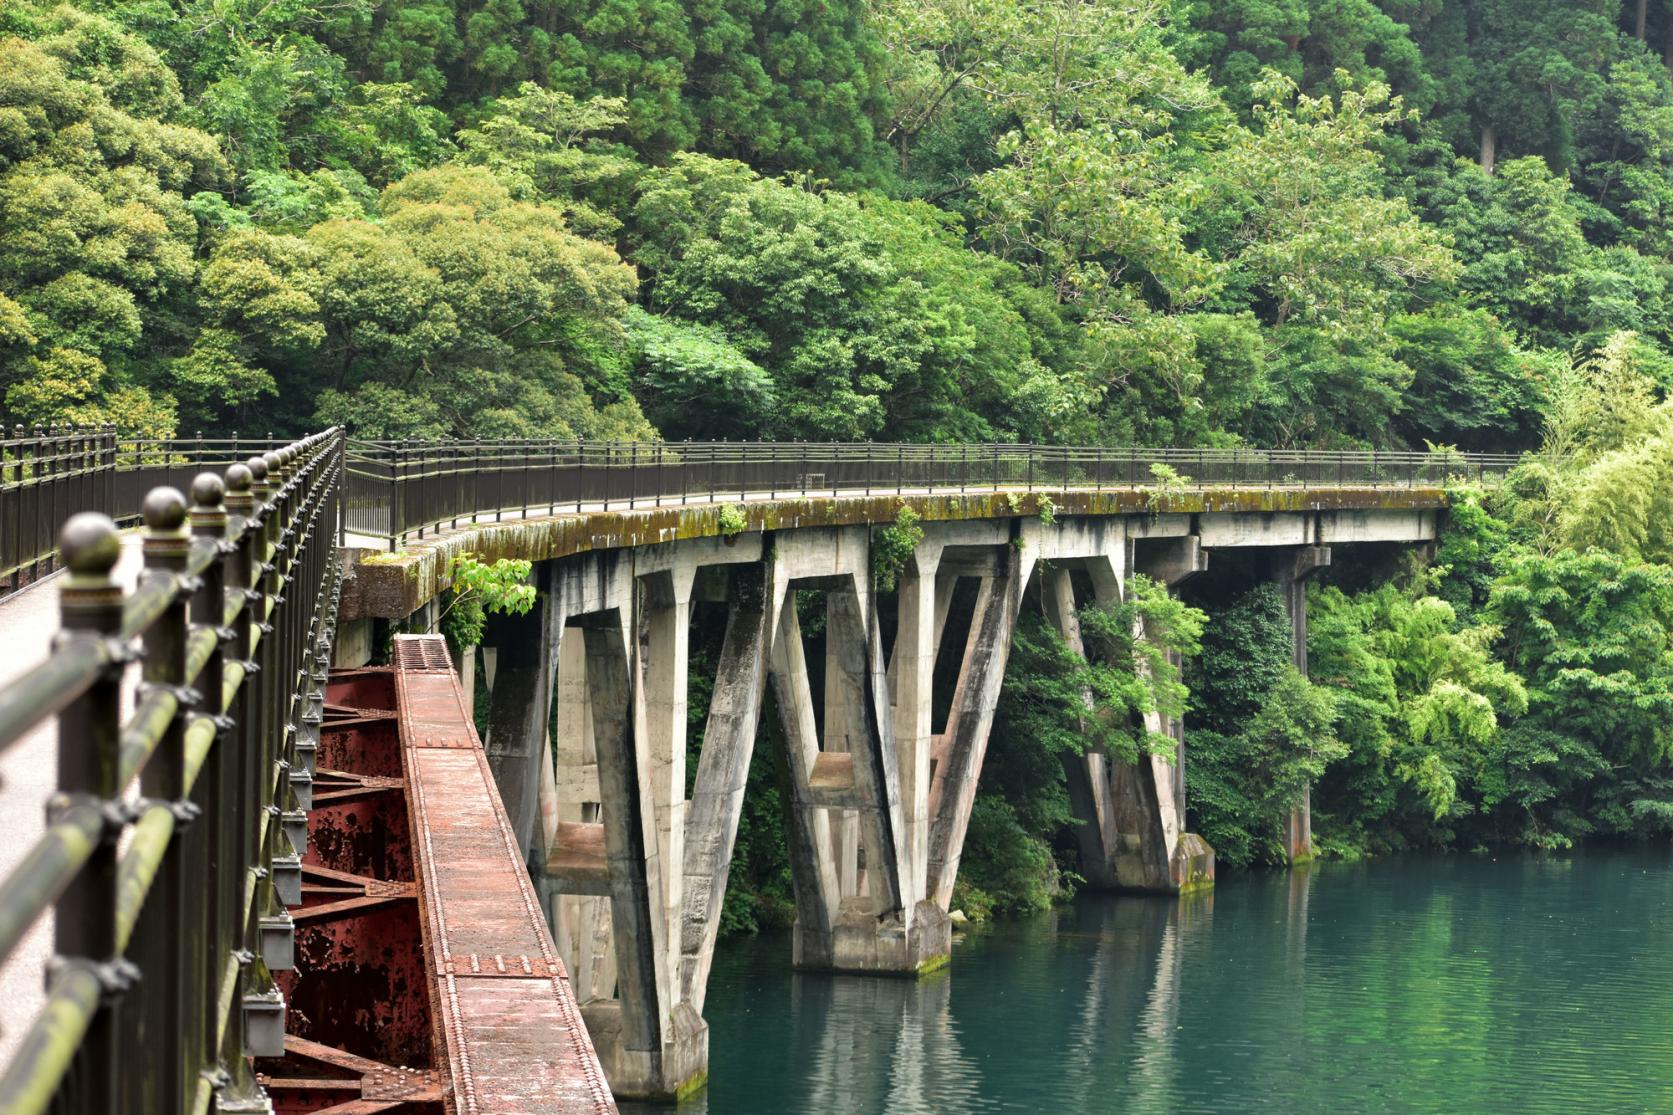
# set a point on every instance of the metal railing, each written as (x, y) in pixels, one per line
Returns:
(48, 474)
(167, 859)
(45, 476)
(395, 490)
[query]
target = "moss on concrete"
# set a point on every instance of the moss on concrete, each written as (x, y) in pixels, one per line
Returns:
(929, 965)
(691, 1085)
(393, 586)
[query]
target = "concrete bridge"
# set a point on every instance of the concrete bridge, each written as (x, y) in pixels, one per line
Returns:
(586, 737)
(634, 868)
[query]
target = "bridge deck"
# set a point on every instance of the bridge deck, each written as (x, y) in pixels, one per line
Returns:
(28, 777)
(514, 1037)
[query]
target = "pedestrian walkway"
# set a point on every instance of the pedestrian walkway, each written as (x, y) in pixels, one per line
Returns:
(28, 777)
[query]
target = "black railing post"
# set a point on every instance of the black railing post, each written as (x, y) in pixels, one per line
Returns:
(397, 496)
(1031, 467)
(85, 931)
(166, 953)
(208, 613)
(633, 476)
(423, 489)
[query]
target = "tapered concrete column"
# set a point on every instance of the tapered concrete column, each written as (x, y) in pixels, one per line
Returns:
(839, 704)
(1291, 568)
(921, 611)
(813, 868)
(717, 797)
(853, 770)
(581, 923)
(1169, 858)
(885, 929)
(519, 705)
(664, 607)
(1087, 774)
(987, 649)
(650, 1042)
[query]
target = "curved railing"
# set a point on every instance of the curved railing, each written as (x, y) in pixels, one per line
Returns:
(397, 489)
(49, 474)
(166, 859)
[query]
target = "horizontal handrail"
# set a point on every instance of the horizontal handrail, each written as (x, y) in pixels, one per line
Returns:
(396, 489)
(229, 628)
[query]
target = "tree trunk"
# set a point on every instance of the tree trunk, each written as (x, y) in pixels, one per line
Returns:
(1489, 148)
(1640, 18)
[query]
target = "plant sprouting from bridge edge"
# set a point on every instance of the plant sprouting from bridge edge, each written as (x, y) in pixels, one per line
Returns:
(1047, 509)
(732, 520)
(1166, 482)
(892, 547)
(480, 589)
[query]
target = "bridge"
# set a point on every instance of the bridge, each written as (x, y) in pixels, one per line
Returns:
(250, 811)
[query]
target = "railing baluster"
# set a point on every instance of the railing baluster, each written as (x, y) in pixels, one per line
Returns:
(88, 739)
(162, 938)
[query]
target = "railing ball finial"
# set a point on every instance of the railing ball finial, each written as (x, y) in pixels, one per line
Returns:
(258, 469)
(239, 478)
(164, 510)
(208, 490)
(89, 544)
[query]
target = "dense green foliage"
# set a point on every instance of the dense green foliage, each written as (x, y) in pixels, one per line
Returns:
(479, 590)
(1057, 704)
(1294, 223)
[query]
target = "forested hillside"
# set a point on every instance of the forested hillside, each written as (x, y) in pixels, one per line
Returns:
(1272, 222)
(1289, 223)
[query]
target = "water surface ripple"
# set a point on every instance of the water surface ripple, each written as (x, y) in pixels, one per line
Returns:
(1513, 984)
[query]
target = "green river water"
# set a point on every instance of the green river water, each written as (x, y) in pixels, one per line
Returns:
(1510, 983)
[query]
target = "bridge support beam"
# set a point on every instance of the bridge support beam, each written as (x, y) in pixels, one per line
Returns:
(651, 1043)
(1291, 568)
(964, 743)
(633, 874)
(717, 797)
(1132, 814)
(849, 781)
(521, 653)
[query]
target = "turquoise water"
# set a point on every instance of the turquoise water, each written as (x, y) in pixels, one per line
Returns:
(1459, 984)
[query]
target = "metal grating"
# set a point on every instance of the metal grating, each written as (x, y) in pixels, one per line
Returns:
(421, 652)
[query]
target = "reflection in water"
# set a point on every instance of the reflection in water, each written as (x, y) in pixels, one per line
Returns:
(1516, 985)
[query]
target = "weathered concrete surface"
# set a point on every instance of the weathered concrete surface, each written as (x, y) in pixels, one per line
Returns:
(393, 586)
(717, 796)
(632, 874)
(519, 705)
